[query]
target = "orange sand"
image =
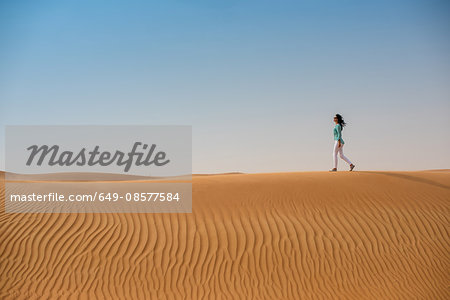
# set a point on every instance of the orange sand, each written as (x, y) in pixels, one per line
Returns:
(314, 235)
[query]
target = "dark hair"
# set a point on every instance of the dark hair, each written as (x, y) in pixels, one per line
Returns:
(341, 121)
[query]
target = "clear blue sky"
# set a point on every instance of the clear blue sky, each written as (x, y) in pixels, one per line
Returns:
(259, 81)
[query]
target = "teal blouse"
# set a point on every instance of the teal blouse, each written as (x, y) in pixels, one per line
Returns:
(338, 133)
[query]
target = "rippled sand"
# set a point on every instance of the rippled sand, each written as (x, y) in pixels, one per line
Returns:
(314, 235)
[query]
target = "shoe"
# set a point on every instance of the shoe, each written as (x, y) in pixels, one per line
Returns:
(333, 170)
(352, 166)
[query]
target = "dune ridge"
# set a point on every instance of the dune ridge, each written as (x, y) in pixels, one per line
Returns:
(309, 235)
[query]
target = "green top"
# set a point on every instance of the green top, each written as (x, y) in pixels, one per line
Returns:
(338, 133)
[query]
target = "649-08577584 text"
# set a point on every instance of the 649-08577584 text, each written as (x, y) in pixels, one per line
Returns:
(99, 197)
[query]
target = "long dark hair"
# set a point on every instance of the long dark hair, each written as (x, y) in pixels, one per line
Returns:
(341, 121)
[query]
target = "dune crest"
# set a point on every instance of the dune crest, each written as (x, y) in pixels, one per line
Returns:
(311, 235)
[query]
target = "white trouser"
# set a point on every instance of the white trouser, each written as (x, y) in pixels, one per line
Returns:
(339, 150)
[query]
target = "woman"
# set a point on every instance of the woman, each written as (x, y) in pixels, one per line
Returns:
(339, 143)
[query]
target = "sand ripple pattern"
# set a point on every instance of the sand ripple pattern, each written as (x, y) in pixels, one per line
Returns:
(361, 235)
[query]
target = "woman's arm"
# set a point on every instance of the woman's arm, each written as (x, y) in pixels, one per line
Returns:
(339, 129)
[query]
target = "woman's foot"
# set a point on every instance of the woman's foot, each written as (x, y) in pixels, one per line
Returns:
(352, 166)
(333, 170)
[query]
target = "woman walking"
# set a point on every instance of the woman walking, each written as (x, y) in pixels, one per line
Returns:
(339, 143)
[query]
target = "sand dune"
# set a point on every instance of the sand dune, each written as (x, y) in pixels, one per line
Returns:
(313, 235)
(83, 176)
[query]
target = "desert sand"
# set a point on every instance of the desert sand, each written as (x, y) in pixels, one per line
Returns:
(308, 235)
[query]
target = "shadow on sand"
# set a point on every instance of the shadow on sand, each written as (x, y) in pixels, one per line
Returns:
(414, 178)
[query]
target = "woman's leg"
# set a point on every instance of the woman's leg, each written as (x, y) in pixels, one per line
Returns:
(335, 153)
(341, 155)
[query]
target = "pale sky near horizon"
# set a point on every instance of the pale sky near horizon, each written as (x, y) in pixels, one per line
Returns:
(259, 81)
